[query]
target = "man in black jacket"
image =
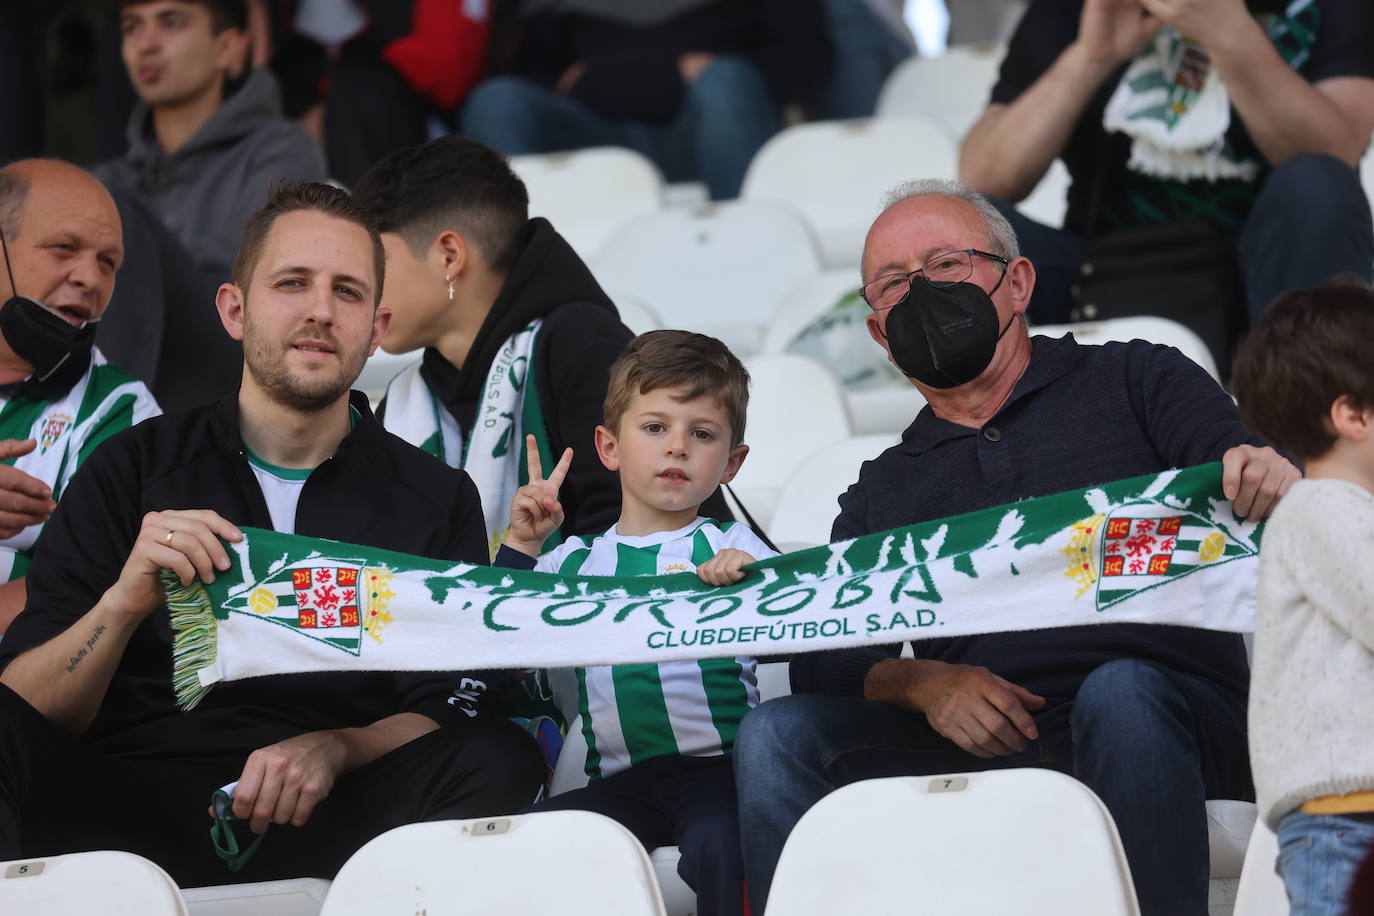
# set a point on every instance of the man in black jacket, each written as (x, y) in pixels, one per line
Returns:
(93, 752)
(492, 296)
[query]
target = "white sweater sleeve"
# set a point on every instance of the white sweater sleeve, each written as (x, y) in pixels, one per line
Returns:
(1326, 546)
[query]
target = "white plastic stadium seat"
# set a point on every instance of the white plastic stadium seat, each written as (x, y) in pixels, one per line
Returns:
(567, 862)
(291, 897)
(1024, 841)
(774, 680)
(587, 194)
(570, 773)
(1050, 199)
(1229, 825)
(1261, 889)
(835, 174)
(808, 503)
(952, 89)
(880, 399)
(796, 406)
(804, 302)
(717, 269)
(1143, 327)
(885, 411)
(1367, 173)
(678, 898)
(107, 882)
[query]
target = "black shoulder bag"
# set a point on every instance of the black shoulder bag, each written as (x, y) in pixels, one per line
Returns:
(1183, 271)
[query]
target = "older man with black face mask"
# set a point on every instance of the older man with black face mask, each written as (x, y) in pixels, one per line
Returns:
(1152, 718)
(59, 399)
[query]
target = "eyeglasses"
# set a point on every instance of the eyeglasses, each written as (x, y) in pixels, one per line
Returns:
(942, 270)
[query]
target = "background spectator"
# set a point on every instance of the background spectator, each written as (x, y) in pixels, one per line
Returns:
(1247, 142)
(205, 142)
(59, 398)
(695, 85)
(870, 40)
(365, 76)
(411, 60)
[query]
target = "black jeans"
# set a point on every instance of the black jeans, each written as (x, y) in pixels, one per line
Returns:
(59, 796)
(688, 802)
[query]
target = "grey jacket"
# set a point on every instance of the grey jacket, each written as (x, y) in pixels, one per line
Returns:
(206, 191)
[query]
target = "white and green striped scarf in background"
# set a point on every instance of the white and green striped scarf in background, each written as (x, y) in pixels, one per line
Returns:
(493, 451)
(1172, 103)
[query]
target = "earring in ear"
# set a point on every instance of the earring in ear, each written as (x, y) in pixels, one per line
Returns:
(450, 289)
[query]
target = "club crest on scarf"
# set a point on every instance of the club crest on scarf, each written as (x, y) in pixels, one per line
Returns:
(333, 601)
(1137, 547)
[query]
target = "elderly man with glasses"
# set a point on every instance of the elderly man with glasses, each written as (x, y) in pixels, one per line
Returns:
(1152, 718)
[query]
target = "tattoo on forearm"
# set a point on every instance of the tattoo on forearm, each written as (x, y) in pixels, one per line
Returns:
(83, 652)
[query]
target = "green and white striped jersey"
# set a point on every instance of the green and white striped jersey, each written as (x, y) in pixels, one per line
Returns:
(104, 401)
(633, 713)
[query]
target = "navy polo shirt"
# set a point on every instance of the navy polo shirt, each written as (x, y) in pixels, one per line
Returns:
(1078, 417)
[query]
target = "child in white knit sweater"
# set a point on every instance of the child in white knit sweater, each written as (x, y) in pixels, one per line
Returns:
(1305, 381)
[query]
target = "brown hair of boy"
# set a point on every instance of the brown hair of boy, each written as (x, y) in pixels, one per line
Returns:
(678, 359)
(1311, 346)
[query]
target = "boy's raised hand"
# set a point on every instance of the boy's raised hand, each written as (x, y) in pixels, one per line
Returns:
(535, 512)
(725, 568)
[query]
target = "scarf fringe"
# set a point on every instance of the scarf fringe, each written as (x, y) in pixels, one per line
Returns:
(194, 632)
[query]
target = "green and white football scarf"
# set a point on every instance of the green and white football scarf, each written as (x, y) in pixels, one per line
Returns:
(1164, 548)
(1172, 102)
(104, 401)
(493, 452)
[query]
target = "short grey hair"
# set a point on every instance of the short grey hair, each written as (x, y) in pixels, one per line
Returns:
(14, 194)
(1001, 237)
